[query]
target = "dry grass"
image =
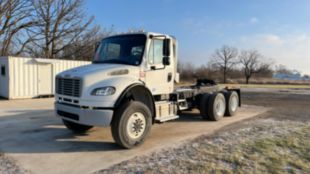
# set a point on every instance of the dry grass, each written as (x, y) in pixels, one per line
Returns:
(288, 153)
(274, 86)
(275, 142)
(260, 83)
(268, 146)
(270, 81)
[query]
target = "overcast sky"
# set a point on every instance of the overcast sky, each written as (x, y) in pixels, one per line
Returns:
(280, 29)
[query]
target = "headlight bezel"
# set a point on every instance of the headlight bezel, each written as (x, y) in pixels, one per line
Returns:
(103, 91)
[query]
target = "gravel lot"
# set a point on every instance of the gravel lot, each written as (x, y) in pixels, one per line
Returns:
(9, 166)
(38, 142)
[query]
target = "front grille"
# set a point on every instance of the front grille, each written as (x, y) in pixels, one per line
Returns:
(69, 87)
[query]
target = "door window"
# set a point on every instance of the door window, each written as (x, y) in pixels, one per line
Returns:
(3, 70)
(156, 52)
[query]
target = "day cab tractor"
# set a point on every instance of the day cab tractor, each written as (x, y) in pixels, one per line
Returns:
(130, 86)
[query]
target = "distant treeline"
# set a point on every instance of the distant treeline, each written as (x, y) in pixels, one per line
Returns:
(189, 73)
(228, 65)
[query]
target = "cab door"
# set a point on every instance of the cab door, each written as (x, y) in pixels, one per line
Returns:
(158, 77)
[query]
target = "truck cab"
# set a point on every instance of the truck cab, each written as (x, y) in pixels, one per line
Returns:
(129, 86)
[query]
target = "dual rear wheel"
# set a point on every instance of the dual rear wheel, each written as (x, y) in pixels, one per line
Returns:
(214, 106)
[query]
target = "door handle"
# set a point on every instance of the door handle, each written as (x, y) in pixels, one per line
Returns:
(169, 77)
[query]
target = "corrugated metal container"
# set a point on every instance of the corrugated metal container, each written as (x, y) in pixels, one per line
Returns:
(31, 77)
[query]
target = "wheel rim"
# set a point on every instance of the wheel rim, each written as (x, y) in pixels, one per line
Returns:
(220, 106)
(234, 103)
(136, 125)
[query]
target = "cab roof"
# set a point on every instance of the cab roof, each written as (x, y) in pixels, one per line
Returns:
(141, 32)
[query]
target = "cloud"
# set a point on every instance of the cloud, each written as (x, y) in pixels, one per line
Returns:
(272, 39)
(253, 20)
(285, 45)
(291, 50)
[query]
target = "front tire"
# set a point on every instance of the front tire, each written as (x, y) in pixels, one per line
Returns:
(75, 127)
(131, 124)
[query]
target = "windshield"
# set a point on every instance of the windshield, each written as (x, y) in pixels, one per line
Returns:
(126, 49)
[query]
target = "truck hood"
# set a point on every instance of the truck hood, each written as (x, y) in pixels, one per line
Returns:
(100, 71)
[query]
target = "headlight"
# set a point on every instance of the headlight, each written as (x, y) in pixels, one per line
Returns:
(108, 90)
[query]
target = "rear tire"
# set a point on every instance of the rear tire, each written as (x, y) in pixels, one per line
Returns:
(75, 127)
(131, 124)
(232, 103)
(203, 106)
(216, 106)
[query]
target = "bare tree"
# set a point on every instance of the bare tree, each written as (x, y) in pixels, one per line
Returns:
(60, 23)
(202, 72)
(14, 22)
(83, 47)
(306, 77)
(251, 62)
(187, 71)
(225, 59)
(282, 69)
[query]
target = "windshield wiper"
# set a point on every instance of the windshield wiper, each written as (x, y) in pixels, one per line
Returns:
(113, 61)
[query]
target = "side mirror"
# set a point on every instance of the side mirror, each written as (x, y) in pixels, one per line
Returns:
(97, 46)
(166, 48)
(166, 60)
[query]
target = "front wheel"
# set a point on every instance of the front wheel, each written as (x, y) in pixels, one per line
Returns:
(75, 127)
(131, 124)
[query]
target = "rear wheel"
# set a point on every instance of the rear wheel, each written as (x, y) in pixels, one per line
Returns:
(75, 127)
(216, 106)
(131, 124)
(203, 106)
(232, 99)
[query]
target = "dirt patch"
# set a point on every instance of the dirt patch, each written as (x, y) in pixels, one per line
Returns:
(9, 166)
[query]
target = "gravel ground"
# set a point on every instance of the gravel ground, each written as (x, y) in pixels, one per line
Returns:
(222, 152)
(8, 166)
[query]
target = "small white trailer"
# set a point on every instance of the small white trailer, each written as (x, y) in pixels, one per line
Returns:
(22, 77)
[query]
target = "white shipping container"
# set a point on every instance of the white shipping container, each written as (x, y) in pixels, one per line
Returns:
(22, 78)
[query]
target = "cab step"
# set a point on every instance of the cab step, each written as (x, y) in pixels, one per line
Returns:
(164, 119)
(166, 110)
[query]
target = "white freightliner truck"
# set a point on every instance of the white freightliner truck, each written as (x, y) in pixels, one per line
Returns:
(131, 85)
